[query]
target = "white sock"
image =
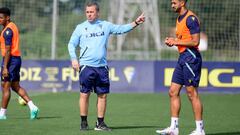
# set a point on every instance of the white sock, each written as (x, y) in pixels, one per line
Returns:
(174, 122)
(3, 112)
(199, 125)
(31, 105)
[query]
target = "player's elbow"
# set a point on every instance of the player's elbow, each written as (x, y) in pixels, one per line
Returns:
(195, 39)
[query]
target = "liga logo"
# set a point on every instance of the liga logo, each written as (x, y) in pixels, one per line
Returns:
(129, 73)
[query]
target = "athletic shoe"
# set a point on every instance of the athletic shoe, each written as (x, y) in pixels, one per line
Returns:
(195, 132)
(102, 127)
(34, 113)
(3, 117)
(84, 125)
(168, 131)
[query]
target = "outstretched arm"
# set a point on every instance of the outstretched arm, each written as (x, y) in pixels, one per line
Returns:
(121, 29)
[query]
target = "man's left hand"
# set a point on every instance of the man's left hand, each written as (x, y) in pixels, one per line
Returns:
(140, 19)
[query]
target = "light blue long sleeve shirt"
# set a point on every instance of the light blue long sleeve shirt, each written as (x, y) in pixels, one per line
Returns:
(92, 38)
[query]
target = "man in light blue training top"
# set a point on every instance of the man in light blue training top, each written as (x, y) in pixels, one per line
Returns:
(92, 37)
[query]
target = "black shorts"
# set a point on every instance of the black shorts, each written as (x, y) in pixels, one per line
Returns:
(14, 67)
(94, 79)
(188, 69)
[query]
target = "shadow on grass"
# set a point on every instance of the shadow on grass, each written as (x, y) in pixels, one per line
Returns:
(49, 117)
(229, 133)
(42, 117)
(133, 127)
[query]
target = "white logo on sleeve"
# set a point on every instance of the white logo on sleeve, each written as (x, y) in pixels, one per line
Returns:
(193, 18)
(7, 32)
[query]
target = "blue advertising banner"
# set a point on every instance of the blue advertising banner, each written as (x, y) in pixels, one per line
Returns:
(48, 75)
(128, 76)
(215, 77)
(131, 76)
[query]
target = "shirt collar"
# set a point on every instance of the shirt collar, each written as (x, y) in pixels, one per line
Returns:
(182, 16)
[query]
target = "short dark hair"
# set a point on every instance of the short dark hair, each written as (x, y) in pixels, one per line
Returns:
(93, 3)
(185, 1)
(6, 11)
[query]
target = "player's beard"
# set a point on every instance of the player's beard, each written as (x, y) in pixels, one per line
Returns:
(177, 10)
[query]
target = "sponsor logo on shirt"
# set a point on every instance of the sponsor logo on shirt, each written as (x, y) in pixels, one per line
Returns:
(97, 34)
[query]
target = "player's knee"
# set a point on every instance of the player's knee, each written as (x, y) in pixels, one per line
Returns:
(102, 96)
(192, 95)
(6, 93)
(172, 93)
(84, 95)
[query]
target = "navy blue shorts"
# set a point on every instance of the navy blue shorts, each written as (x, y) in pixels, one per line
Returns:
(188, 69)
(14, 67)
(94, 79)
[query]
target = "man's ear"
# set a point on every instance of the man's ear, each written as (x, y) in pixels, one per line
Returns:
(183, 3)
(98, 14)
(8, 18)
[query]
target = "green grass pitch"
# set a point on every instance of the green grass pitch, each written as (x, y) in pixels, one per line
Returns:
(127, 114)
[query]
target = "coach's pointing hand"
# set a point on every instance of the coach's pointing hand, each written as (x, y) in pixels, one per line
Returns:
(139, 20)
